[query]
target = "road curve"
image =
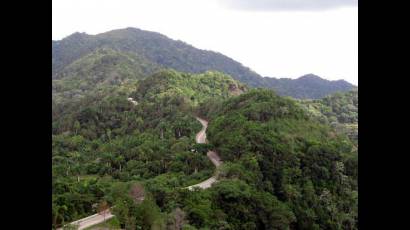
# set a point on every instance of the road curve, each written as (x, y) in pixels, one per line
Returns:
(200, 138)
(213, 156)
(91, 220)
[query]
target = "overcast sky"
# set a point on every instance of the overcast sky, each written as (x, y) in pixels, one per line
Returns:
(275, 38)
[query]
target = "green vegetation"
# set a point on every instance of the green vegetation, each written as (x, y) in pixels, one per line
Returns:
(154, 47)
(102, 141)
(156, 50)
(101, 71)
(111, 224)
(340, 110)
(287, 163)
(274, 146)
(194, 87)
(307, 87)
(282, 168)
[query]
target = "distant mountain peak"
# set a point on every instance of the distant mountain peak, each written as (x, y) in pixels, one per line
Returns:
(165, 52)
(77, 35)
(308, 86)
(342, 81)
(310, 76)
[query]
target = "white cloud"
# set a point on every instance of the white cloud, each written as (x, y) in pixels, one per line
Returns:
(277, 44)
(288, 5)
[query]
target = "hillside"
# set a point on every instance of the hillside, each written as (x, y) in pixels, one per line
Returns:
(282, 168)
(153, 46)
(97, 70)
(167, 53)
(340, 110)
(308, 86)
(103, 144)
(270, 145)
(286, 163)
(165, 94)
(195, 88)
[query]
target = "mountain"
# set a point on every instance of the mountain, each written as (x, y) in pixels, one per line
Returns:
(103, 143)
(282, 169)
(153, 46)
(194, 88)
(164, 52)
(106, 62)
(308, 86)
(340, 110)
(270, 143)
(99, 69)
(285, 166)
(160, 96)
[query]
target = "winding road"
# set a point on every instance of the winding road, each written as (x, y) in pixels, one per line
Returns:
(91, 220)
(200, 138)
(216, 160)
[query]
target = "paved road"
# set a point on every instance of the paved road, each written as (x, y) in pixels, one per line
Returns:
(91, 220)
(201, 135)
(200, 138)
(213, 156)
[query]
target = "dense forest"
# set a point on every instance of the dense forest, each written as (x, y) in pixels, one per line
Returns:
(103, 143)
(272, 145)
(124, 108)
(308, 86)
(283, 168)
(103, 70)
(340, 110)
(150, 51)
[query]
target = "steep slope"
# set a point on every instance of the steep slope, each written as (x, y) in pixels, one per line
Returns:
(340, 110)
(270, 143)
(101, 68)
(106, 61)
(194, 88)
(155, 47)
(338, 107)
(163, 96)
(103, 142)
(69, 49)
(308, 86)
(168, 53)
(282, 169)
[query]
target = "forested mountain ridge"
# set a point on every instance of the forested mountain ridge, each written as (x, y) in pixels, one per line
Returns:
(103, 144)
(167, 53)
(282, 169)
(155, 47)
(103, 60)
(195, 88)
(308, 86)
(271, 144)
(165, 93)
(101, 69)
(340, 110)
(286, 166)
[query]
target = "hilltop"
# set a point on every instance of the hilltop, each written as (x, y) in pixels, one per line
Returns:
(164, 52)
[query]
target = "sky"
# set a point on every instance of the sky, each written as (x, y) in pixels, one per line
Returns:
(275, 38)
